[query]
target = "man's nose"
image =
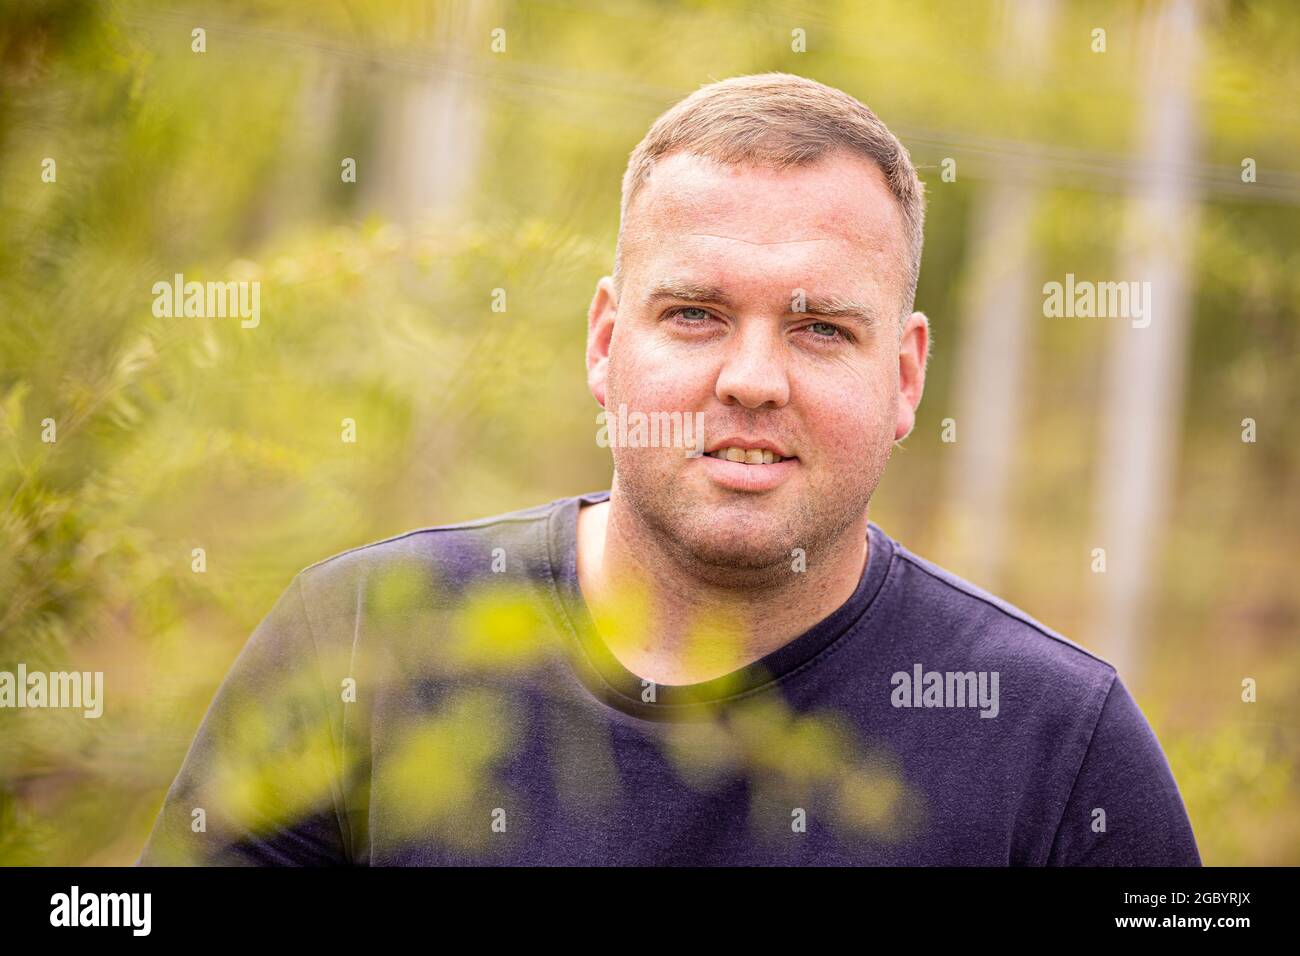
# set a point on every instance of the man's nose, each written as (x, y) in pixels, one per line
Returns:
(753, 371)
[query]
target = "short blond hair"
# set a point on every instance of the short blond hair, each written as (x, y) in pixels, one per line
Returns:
(779, 120)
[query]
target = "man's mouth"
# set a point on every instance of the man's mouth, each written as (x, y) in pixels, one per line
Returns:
(747, 456)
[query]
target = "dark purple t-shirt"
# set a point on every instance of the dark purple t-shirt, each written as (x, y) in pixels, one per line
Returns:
(443, 697)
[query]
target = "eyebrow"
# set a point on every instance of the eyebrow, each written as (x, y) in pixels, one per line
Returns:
(828, 306)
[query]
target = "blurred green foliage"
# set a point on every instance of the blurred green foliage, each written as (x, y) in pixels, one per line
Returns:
(175, 434)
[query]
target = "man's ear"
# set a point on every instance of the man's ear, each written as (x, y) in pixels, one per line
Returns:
(600, 329)
(913, 350)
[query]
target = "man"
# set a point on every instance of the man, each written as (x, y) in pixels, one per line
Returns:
(720, 660)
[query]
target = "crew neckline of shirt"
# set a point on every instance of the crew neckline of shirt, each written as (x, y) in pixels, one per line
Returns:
(607, 678)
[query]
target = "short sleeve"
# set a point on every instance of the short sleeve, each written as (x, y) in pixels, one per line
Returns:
(260, 784)
(1125, 808)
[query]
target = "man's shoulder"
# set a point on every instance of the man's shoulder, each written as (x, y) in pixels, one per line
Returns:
(413, 579)
(440, 542)
(978, 624)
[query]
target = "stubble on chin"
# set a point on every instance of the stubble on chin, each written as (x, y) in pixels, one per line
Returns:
(730, 544)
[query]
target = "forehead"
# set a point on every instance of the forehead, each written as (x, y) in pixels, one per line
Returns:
(833, 222)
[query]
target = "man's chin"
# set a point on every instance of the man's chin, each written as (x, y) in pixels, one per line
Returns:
(723, 535)
(727, 543)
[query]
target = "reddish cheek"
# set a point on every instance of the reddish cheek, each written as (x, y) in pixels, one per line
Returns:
(658, 378)
(847, 433)
(837, 437)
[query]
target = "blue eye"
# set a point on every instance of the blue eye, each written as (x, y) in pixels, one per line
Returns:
(682, 313)
(827, 330)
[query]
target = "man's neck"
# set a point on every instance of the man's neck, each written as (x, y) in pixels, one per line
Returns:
(668, 624)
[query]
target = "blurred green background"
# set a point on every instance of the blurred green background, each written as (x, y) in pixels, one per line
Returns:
(481, 169)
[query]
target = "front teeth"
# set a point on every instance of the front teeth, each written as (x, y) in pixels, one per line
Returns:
(749, 456)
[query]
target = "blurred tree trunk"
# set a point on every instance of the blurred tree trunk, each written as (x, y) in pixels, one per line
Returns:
(295, 197)
(426, 155)
(996, 329)
(431, 131)
(1142, 390)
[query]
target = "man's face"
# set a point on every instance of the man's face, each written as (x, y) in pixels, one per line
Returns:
(770, 302)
